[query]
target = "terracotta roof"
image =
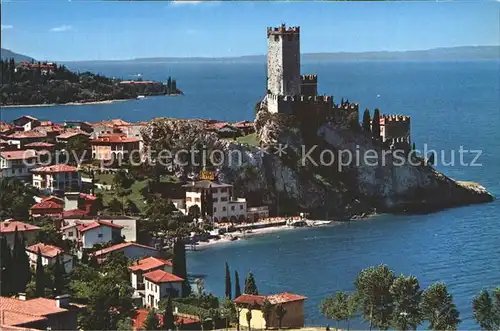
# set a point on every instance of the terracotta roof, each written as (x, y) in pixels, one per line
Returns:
(273, 299)
(18, 155)
(243, 124)
(48, 128)
(53, 198)
(39, 144)
(18, 312)
(113, 139)
(56, 168)
(10, 226)
(114, 122)
(69, 226)
(86, 196)
(47, 204)
(96, 224)
(74, 212)
(5, 126)
(149, 263)
(141, 315)
(27, 134)
(45, 250)
(160, 276)
(69, 134)
(120, 246)
(28, 117)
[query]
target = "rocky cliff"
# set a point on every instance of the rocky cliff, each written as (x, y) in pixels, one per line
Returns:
(277, 174)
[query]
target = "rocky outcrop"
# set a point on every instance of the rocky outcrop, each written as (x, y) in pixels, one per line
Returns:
(276, 173)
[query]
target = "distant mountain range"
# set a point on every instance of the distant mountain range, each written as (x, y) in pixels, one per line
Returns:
(7, 54)
(463, 53)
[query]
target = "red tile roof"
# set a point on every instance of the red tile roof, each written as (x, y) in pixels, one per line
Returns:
(5, 126)
(114, 122)
(39, 144)
(55, 168)
(27, 134)
(53, 198)
(243, 124)
(74, 212)
(141, 315)
(47, 204)
(10, 226)
(72, 133)
(160, 276)
(149, 263)
(96, 224)
(45, 250)
(118, 247)
(113, 139)
(17, 312)
(273, 298)
(18, 155)
(88, 197)
(217, 125)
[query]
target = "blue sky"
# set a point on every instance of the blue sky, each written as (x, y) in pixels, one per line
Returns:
(95, 30)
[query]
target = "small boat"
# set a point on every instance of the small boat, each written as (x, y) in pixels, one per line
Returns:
(317, 223)
(140, 97)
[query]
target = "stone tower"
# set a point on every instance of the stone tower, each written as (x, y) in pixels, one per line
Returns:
(283, 60)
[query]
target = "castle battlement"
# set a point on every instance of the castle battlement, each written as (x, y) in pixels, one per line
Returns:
(301, 98)
(395, 118)
(283, 30)
(309, 78)
(347, 106)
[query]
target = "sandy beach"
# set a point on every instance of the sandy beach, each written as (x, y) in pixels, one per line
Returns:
(104, 102)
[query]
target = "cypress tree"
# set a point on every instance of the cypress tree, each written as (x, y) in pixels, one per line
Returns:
(168, 316)
(413, 147)
(174, 86)
(151, 322)
(93, 263)
(169, 85)
(59, 275)
(237, 289)
(40, 276)
(85, 257)
(6, 268)
(228, 283)
(250, 286)
(179, 265)
(367, 121)
(21, 271)
(376, 124)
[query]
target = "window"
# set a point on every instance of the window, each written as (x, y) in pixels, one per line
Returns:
(241, 207)
(188, 199)
(196, 199)
(99, 235)
(70, 234)
(223, 190)
(223, 208)
(223, 199)
(156, 288)
(215, 199)
(215, 209)
(232, 207)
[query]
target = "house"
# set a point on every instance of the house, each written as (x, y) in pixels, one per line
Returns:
(39, 313)
(129, 224)
(188, 322)
(41, 146)
(26, 123)
(114, 147)
(17, 164)
(225, 207)
(77, 204)
(6, 129)
(132, 251)
(246, 127)
(20, 139)
(8, 229)
(49, 255)
(95, 232)
(146, 265)
(158, 284)
(293, 303)
(256, 214)
(79, 125)
(68, 135)
(58, 177)
(47, 208)
(108, 127)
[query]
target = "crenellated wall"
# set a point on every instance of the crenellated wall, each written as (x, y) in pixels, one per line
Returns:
(309, 85)
(395, 128)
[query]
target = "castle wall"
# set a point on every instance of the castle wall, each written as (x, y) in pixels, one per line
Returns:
(395, 128)
(309, 85)
(283, 60)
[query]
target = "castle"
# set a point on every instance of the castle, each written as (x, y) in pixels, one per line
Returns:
(289, 92)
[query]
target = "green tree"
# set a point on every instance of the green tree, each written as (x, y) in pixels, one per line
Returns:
(376, 124)
(413, 147)
(367, 124)
(406, 295)
(115, 206)
(373, 291)
(21, 271)
(280, 314)
(267, 310)
(194, 211)
(438, 308)
(168, 315)
(151, 322)
(250, 285)
(179, 267)
(228, 282)
(486, 309)
(6, 268)
(131, 208)
(237, 289)
(214, 315)
(40, 276)
(59, 274)
(230, 311)
(340, 307)
(78, 148)
(125, 324)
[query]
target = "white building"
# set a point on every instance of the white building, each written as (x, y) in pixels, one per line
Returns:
(26, 231)
(49, 255)
(89, 234)
(158, 285)
(129, 224)
(225, 207)
(17, 164)
(144, 266)
(59, 177)
(257, 213)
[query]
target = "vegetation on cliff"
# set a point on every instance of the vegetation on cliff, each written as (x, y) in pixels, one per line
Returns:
(48, 83)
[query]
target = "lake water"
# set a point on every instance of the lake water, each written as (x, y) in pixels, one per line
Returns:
(451, 105)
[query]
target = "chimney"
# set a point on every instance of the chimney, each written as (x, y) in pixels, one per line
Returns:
(22, 296)
(62, 301)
